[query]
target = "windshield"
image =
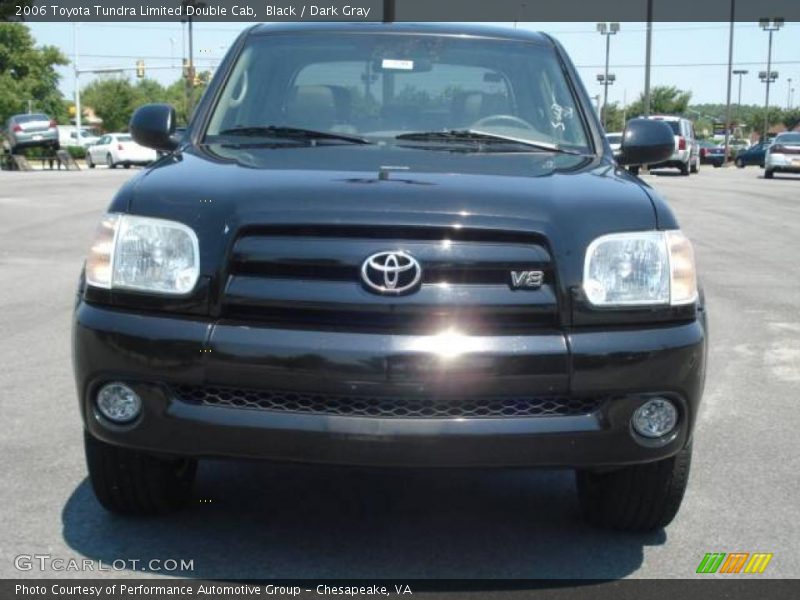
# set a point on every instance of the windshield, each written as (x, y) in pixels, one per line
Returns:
(31, 118)
(379, 86)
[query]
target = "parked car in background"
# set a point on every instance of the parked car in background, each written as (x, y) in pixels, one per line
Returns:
(739, 144)
(615, 141)
(716, 156)
(31, 131)
(686, 156)
(783, 156)
(704, 148)
(68, 136)
(114, 149)
(754, 155)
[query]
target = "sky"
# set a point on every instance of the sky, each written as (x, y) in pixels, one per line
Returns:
(691, 56)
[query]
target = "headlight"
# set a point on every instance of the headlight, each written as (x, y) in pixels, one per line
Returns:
(142, 253)
(637, 269)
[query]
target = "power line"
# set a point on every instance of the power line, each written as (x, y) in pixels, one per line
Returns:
(684, 65)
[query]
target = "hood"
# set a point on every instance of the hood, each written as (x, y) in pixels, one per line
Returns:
(218, 190)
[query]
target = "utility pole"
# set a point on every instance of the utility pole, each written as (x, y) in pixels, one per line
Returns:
(77, 77)
(191, 73)
(389, 12)
(770, 25)
(648, 52)
(190, 79)
(789, 94)
(730, 77)
(606, 29)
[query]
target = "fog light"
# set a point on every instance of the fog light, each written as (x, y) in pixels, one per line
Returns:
(655, 418)
(118, 403)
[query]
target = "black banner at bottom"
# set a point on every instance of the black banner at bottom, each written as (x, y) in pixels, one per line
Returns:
(186, 589)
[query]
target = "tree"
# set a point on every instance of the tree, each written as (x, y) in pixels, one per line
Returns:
(664, 100)
(756, 119)
(28, 73)
(791, 118)
(148, 91)
(614, 116)
(176, 96)
(113, 100)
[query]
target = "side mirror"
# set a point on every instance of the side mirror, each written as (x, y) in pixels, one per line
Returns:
(152, 126)
(646, 142)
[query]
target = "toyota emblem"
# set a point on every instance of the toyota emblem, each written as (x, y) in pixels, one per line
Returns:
(391, 273)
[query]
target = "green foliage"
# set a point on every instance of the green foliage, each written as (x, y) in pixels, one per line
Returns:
(664, 100)
(28, 73)
(755, 122)
(614, 117)
(113, 100)
(8, 10)
(791, 118)
(76, 152)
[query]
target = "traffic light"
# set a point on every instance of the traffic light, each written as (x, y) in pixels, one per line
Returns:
(140, 68)
(201, 78)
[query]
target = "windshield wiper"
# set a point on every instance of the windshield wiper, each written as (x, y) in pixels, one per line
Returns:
(474, 135)
(293, 133)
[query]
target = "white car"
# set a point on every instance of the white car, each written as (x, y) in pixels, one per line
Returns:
(615, 141)
(114, 149)
(783, 155)
(686, 157)
(68, 136)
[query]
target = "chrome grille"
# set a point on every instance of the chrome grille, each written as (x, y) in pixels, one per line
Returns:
(310, 277)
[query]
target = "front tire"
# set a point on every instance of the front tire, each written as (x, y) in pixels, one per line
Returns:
(634, 171)
(768, 173)
(89, 161)
(129, 482)
(640, 498)
(740, 163)
(110, 162)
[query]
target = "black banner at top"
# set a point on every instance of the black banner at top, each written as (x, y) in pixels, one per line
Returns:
(399, 10)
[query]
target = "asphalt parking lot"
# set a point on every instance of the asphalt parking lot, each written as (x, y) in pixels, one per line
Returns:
(256, 520)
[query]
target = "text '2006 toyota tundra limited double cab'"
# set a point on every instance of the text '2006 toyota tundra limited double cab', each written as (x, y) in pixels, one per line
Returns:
(394, 246)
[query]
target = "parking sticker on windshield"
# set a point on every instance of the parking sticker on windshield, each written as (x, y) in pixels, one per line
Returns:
(400, 65)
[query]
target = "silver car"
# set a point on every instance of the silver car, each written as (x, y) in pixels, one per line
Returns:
(29, 130)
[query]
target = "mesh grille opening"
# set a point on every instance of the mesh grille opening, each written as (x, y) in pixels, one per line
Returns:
(388, 406)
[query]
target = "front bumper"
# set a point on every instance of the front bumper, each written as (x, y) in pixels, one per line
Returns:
(157, 353)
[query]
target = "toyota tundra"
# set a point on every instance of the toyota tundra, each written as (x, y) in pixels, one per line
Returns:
(392, 245)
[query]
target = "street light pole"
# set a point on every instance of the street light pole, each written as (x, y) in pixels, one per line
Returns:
(607, 29)
(739, 72)
(770, 26)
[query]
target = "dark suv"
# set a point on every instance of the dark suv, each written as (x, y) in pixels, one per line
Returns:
(395, 246)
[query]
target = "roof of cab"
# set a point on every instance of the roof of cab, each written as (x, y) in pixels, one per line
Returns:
(445, 29)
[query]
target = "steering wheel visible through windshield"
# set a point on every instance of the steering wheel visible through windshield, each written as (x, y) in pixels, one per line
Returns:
(376, 87)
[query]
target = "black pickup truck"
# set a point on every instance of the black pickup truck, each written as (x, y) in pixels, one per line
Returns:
(395, 246)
